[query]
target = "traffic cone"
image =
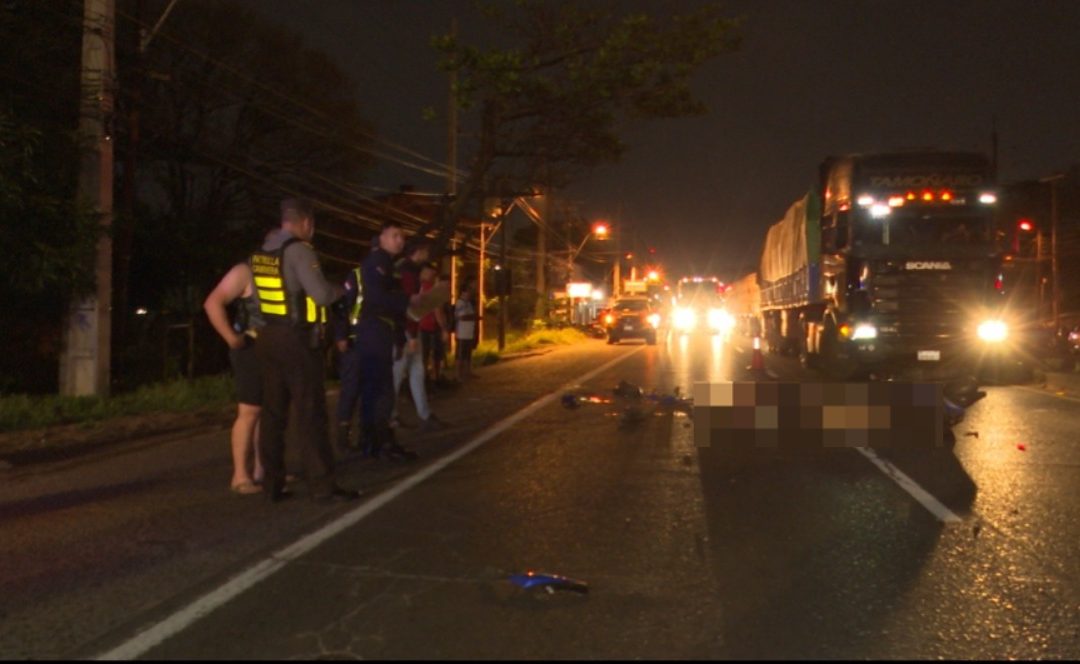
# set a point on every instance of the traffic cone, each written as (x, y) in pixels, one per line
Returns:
(757, 360)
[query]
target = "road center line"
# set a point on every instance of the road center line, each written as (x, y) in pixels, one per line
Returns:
(203, 606)
(932, 504)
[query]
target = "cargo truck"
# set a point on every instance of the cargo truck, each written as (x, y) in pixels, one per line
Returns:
(888, 266)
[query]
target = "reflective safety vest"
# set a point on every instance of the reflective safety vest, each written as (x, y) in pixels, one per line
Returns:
(354, 315)
(274, 300)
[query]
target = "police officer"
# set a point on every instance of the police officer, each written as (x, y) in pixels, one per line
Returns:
(292, 295)
(381, 329)
(346, 320)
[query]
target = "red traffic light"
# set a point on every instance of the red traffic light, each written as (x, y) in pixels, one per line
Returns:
(1025, 225)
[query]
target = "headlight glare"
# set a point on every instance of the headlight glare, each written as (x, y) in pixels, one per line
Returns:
(993, 331)
(684, 319)
(864, 331)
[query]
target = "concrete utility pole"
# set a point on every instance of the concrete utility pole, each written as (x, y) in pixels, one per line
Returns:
(504, 264)
(451, 158)
(85, 359)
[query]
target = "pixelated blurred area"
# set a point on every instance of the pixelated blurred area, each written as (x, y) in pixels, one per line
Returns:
(814, 416)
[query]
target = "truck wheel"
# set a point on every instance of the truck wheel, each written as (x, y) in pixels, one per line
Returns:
(807, 359)
(831, 364)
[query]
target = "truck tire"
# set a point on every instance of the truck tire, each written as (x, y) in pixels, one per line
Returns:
(807, 359)
(831, 364)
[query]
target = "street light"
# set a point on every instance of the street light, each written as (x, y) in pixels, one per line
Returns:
(600, 231)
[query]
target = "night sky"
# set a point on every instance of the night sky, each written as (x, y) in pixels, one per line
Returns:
(813, 78)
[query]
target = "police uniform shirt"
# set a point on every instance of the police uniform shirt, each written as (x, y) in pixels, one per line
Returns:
(382, 299)
(300, 266)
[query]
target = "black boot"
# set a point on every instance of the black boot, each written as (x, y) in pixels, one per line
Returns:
(392, 449)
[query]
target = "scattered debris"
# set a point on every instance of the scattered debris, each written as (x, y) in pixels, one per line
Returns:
(571, 400)
(976, 528)
(628, 390)
(1022, 447)
(549, 582)
(954, 412)
(972, 434)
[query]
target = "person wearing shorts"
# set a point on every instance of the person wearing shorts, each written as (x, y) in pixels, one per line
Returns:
(466, 316)
(238, 285)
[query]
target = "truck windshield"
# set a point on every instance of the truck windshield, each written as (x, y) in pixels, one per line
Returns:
(915, 228)
(701, 293)
(632, 305)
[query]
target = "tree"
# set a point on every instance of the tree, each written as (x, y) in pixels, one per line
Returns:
(231, 121)
(552, 103)
(48, 240)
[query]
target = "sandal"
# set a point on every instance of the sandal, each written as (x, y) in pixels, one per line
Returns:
(245, 488)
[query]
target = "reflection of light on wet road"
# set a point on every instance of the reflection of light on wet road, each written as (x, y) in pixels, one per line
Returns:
(699, 358)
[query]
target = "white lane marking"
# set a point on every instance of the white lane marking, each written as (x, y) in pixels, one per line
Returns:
(203, 606)
(932, 504)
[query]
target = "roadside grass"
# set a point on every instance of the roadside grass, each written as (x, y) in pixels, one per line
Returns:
(516, 342)
(20, 411)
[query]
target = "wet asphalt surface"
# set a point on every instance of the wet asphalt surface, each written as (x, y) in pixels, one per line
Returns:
(685, 554)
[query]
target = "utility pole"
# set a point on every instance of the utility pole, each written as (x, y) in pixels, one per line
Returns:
(541, 253)
(480, 287)
(124, 230)
(85, 359)
(504, 299)
(451, 171)
(1055, 293)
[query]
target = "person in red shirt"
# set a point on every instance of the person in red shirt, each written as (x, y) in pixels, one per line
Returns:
(411, 362)
(434, 328)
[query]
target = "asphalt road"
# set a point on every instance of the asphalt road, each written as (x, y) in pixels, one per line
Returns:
(141, 551)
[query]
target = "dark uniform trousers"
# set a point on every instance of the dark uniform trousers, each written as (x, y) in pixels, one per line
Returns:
(349, 372)
(375, 341)
(293, 371)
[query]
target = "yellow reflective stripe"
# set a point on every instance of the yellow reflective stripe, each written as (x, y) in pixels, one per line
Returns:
(312, 314)
(322, 314)
(272, 295)
(276, 309)
(267, 282)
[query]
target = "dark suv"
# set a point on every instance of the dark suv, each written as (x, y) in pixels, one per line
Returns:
(632, 318)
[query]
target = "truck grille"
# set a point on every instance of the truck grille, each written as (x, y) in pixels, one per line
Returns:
(919, 309)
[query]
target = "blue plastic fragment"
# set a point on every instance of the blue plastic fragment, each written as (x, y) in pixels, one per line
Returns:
(570, 400)
(953, 413)
(550, 582)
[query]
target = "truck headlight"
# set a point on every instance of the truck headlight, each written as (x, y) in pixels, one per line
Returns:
(993, 331)
(654, 320)
(864, 331)
(684, 319)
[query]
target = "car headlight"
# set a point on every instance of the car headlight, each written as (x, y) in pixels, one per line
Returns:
(993, 331)
(684, 319)
(864, 331)
(654, 320)
(609, 319)
(721, 320)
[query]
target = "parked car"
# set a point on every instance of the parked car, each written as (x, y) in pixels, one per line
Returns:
(632, 318)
